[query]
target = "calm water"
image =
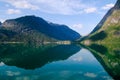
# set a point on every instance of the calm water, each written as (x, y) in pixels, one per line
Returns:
(51, 62)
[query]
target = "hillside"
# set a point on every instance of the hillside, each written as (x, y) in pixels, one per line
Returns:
(35, 29)
(107, 32)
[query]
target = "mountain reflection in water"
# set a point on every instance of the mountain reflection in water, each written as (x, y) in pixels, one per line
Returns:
(34, 57)
(50, 62)
(109, 57)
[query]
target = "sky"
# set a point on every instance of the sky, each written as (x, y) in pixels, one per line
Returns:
(80, 15)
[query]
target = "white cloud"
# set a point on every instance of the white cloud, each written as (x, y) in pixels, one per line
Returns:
(64, 7)
(92, 75)
(107, 78)
(10, 73)
(79, 58)
(13, 11)
(107, 6)
(77, 27)
(23, 4)
(90, 10)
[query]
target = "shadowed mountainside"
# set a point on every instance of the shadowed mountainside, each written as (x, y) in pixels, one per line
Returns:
(35, 29)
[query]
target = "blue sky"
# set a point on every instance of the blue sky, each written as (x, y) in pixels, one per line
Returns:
(80, 15)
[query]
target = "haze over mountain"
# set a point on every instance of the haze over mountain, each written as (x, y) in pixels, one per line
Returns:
(35, 29)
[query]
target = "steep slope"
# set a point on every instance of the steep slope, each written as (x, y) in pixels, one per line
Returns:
(107, 32)
(111, 18)
(35, 29)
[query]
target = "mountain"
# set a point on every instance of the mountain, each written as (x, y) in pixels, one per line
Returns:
(112, 17)
(107, 32)
(35, 29)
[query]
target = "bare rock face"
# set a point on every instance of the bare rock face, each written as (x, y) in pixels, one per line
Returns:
(8, 23)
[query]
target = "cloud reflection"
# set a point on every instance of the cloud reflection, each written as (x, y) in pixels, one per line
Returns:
(2, 64)
(88, 74)
(11, 73)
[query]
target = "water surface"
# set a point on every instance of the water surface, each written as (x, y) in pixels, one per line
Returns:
(51, 62)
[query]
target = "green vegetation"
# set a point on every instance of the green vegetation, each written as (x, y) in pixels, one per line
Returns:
(30, 37)
(98, 36)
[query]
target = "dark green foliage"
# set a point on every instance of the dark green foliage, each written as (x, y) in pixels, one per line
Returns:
(6, 35)
(117, 52)
(98, 36)
(7, 32)
(99, 48)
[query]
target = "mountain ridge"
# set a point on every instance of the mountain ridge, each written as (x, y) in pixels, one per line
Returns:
(27, 25)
